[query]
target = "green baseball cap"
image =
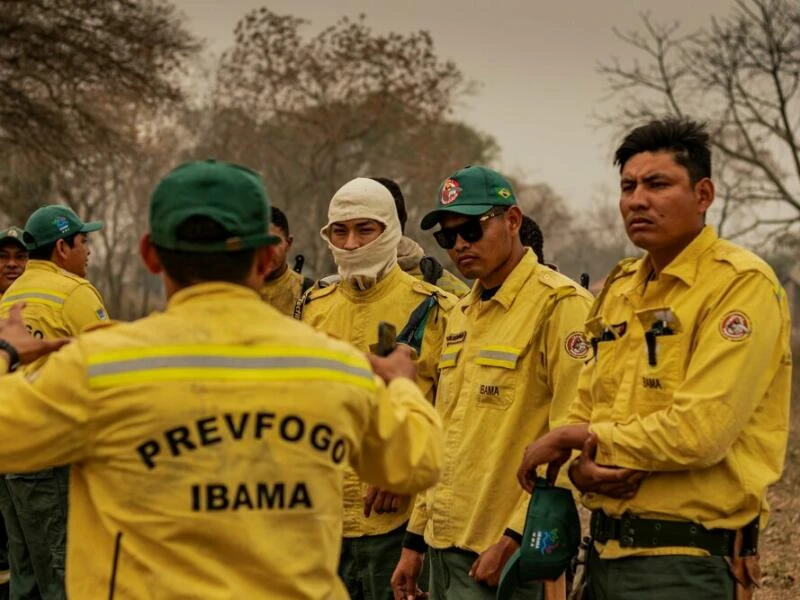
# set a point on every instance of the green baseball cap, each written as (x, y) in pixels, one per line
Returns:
(229, 194)
(13, 234)
(55, 222)
(472, 191)
(550, 541)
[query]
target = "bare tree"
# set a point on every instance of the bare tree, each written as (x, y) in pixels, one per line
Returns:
(311, 113)
(742, 75)
(68, 67)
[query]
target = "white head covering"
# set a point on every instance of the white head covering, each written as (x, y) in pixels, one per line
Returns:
(364, 198)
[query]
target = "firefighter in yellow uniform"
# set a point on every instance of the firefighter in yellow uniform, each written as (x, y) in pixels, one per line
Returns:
(363, 232)
(683, 411)
(60, 302)
(208, 442)
(283, 287)
(13, 258)
(508, 370)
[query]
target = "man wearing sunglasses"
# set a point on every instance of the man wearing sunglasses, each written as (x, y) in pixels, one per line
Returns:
(513, 349)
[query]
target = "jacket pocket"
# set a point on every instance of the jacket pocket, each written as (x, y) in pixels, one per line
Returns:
(495, 383)
(657, 382)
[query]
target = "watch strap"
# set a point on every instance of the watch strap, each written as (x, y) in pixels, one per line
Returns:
(13, 355)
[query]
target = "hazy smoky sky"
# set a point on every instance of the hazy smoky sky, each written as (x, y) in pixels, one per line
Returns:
(535, 63)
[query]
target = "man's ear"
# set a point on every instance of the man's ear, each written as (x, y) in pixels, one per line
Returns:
(149, 255)
(705, 193)
(263, 264)
(61, 249)
(514, 219)
(289, 242)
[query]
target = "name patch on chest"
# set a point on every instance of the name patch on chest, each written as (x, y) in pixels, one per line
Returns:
(652, 383)
(456, 338)
(492, 395)
(490, 390)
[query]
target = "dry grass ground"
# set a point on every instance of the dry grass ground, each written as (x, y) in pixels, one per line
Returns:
(780, 548)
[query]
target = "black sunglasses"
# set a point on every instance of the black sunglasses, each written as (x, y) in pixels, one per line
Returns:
(470, 231)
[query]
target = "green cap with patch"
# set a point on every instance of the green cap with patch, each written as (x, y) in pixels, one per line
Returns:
(55, 222)
(550, 541)
(472, 191)
(231, 195)
(13, 234)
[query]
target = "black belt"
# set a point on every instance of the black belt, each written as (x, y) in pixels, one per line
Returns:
(634, 532)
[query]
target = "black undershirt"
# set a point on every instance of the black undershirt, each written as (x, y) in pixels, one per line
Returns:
(489, 294)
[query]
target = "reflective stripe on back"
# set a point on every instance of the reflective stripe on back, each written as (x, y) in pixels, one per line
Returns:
(208, 362)
(36, 297)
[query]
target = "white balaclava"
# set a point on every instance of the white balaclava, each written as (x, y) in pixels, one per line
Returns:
(364, 198)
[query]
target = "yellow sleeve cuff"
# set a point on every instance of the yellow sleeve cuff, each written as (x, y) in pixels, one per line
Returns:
(605, 443)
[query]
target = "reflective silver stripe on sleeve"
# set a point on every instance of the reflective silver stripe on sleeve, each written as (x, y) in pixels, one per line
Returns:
(449, 356)
(224, 362)
(33, 296)
(498, 355)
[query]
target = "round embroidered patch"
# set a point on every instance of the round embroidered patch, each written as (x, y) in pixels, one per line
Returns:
(576, 345)
(735, 326)
(450, 191)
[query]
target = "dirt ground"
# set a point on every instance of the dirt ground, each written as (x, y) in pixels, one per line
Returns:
(780, 546)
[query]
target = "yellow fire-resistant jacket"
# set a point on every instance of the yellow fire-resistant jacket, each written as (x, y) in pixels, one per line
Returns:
(709, 419)
(57, 303)
(351, 315)
(508, 373)
(283, 292)
(208, 445)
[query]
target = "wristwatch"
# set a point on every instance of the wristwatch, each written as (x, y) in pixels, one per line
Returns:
(13, 355)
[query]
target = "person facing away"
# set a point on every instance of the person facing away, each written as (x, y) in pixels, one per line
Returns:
(208, 441)
(363, 232)
(682, 413)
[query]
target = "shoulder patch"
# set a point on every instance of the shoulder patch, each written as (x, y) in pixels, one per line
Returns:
(735, 326)
(576, 345)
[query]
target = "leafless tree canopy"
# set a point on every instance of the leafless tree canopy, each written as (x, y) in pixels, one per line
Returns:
(68, 66)
(312, 112)
(742, 75)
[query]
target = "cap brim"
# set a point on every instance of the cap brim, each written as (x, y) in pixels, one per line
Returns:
(509, 580)
(10, 238)
(91, 226)
(470, 210)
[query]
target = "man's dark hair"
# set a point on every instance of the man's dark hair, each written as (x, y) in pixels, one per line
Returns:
(531, 236)
(399, 201)
(46, 252)
(189, 268)
(687, 140)
(280, 221)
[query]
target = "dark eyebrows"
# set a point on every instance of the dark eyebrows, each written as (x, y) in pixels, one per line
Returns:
(657, 176)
